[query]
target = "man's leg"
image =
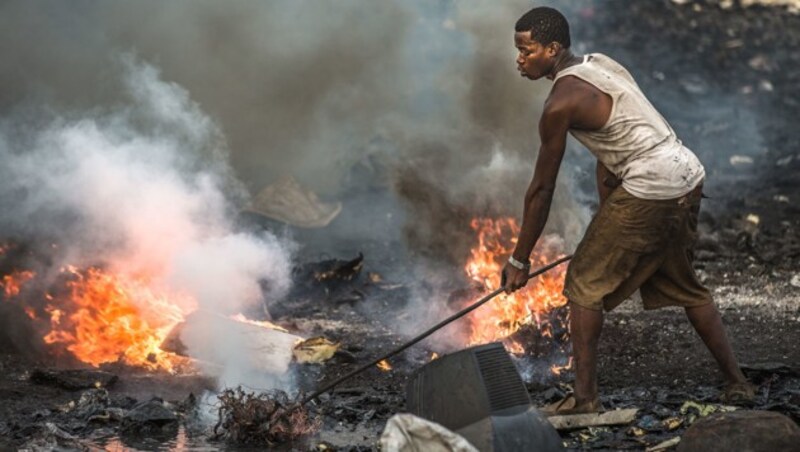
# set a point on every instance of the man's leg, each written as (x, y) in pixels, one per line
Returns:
(585, 327)
(708, 324)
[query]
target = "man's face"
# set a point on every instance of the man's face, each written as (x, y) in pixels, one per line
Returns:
(534, 60)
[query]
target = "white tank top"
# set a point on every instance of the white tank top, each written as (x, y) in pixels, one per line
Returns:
(636, 143)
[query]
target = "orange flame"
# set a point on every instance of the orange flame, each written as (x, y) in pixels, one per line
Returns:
(110, 317)
(556, 369)
(505, 316)
(262, 323)
(13, 283)
(384, 366)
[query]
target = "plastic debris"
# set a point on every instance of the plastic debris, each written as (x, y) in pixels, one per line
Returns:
(409, 433)
(315, 350)
(291, 203)
(636, 431)
(672, 423)
(664, 445)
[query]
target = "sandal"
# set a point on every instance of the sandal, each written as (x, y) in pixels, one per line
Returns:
(739, 393)
(569, 405)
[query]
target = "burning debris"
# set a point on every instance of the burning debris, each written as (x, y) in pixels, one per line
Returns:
(206, 336)
(111, 314)
(104, 317)
(263, 419)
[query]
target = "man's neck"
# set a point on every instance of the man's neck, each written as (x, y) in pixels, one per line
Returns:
(563, 61)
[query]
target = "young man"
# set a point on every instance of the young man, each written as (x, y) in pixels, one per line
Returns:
(649, 185)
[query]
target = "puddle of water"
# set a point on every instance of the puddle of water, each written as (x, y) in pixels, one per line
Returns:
(182, 441)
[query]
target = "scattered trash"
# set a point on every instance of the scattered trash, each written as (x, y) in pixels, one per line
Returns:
(635, 431)
(288, 202)
(573, 421)
(315, 350)
(672, 423)
(339, 270)
(665, 445)
(692, 410)
(265, 419)
(266, 349)
(593, 434)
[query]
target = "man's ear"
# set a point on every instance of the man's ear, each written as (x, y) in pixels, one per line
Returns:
(553, 48)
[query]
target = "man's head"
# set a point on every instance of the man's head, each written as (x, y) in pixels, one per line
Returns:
(541, 35)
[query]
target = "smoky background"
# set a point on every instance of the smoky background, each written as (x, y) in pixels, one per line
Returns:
(410, 113)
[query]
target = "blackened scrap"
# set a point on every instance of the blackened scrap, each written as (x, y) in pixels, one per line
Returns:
(339, 270)
(334, 281)
(327, 275)
(73, 379)
(267, 418)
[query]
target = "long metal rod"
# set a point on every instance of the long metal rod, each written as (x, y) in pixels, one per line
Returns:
(427, 333)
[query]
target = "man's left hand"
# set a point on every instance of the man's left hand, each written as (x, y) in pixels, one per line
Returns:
(513, 279)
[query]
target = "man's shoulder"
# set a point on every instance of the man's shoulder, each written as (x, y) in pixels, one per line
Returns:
(568, 92)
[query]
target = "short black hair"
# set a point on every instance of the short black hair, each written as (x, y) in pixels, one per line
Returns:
(546, 25)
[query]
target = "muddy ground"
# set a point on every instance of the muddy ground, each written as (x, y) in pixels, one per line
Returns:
(727, 81)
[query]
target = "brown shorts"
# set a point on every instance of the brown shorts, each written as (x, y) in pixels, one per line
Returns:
(635, 243)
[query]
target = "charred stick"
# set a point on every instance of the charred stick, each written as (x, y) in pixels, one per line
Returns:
(427, 333)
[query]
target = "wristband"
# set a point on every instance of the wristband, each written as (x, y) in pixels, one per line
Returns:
(517, 264)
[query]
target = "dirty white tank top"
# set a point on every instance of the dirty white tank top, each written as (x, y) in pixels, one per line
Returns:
(636, 143)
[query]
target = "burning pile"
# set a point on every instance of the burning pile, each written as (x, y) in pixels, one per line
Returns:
(99, 316)
(527, 316)
(103, 317)
(268, 418)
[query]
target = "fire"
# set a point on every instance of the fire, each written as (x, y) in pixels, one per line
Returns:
(384, 366)
(262, 323)
(556, 369)
(107, 317)
(503, 317)
(13, 283)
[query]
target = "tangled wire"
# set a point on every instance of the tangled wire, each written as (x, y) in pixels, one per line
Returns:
(267, 418)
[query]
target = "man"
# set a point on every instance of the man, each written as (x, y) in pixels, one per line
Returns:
(649, 186)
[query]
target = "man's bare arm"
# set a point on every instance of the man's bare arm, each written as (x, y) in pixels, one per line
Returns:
(553, 132)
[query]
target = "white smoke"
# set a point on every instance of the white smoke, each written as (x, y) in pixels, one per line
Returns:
(143, 188)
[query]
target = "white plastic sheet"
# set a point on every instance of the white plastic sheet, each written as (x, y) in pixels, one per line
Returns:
(408, 433)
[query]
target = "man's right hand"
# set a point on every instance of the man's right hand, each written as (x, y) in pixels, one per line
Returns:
(512, 278)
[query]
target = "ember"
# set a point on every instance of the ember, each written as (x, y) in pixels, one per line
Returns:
(12, 283)
(384, 366)
(526, 307)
